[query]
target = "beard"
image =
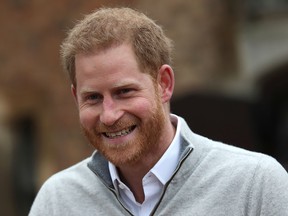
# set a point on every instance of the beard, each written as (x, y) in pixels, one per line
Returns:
(145, 141)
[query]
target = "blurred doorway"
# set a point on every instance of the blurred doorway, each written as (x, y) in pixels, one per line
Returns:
(23, 170)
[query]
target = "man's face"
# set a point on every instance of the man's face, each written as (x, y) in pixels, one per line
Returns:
(120, 111)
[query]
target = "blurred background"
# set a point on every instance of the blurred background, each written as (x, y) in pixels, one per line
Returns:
(231, 66)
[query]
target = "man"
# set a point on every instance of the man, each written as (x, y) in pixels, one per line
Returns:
(147, 161)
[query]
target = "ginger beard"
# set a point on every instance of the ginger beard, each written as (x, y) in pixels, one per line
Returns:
(147, 138)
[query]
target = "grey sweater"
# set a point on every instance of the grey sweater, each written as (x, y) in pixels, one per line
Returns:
(211, 179)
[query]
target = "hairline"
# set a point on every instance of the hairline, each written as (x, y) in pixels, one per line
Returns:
(98, 49)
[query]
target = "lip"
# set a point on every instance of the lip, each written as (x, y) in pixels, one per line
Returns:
(120, 133)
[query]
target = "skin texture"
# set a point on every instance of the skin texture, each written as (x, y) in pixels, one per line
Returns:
(123, 112)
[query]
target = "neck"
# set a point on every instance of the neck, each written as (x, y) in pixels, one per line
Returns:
(132, 174)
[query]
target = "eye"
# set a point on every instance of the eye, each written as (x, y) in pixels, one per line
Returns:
(93, 98)
(125, 91)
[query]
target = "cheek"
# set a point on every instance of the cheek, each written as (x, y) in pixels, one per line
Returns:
(143, 108)
(87, 118)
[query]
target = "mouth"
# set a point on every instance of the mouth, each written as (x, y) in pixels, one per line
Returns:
(124, 132)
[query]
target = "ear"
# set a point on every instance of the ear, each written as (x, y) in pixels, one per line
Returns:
(74, 93)
(166, 82)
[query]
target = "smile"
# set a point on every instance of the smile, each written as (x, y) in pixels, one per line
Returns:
(119, 133)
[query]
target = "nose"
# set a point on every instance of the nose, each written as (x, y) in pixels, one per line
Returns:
(110, 112)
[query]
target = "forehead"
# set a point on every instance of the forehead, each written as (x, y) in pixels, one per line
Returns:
(118, 56)
(114, 65)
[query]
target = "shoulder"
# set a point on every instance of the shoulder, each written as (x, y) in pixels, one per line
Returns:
(232, 156)
(61, 188)
(220, 155)
(242, 156)
(76, 179)
(75, 170)
(262, 171)
(73, 173)
(217, 155)
(66, 178)
(222, 152)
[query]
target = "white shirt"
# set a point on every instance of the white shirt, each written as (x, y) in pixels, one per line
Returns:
(154, 181)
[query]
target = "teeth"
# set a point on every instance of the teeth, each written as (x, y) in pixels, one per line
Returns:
(119, 133)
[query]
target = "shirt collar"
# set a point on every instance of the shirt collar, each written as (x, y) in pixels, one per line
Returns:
(114, 175)
(167, 164)
(165, 167)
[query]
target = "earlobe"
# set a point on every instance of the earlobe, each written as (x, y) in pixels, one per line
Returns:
(166, 81)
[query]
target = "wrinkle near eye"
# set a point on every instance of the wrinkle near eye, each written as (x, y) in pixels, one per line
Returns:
(94, 97)
(125, 91)
(91, 98)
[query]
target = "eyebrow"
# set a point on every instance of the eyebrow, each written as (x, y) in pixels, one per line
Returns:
(115, 87)
(86, 91)
(125, 83)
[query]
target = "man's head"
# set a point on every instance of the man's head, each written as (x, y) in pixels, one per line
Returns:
(114, 26)
(122, 84)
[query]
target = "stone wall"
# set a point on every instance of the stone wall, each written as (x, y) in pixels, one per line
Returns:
(36, 90)
(205, 35)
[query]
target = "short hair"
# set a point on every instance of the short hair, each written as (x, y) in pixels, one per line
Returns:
(107, 27)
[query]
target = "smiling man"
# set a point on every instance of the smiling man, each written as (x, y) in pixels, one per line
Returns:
(120, 109)
(122, 112)
(147, 161)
